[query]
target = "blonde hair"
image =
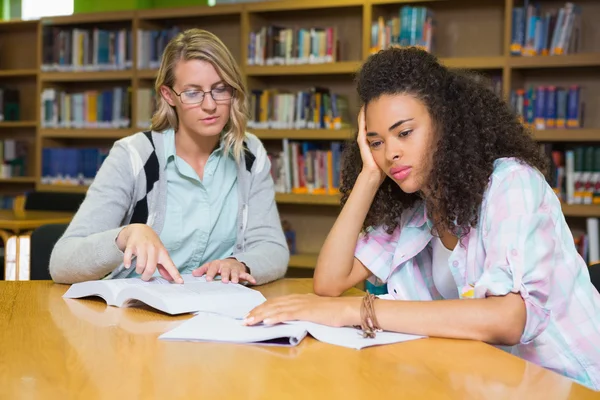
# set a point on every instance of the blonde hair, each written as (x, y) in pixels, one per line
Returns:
(198, 44)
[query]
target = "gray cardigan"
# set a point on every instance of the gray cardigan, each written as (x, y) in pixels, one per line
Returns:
(131, 186)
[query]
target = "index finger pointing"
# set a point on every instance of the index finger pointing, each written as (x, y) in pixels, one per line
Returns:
(168, 264)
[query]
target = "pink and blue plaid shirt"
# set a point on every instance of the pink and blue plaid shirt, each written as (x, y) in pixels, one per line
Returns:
(522, 244)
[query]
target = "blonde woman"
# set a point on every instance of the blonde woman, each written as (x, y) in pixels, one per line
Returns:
(193, 195)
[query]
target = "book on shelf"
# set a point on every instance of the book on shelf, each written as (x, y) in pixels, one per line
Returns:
(552, 32)
(71, 166)
(67, 49)
(280, 45)
(307, 167)
(413, 26)
(207, 327)
(314, 108)
(575, 173)
(549, 107)
(10, 109)
(13, 158)
(109, 108)
(194, 295)
(151, 45)
(146, 107)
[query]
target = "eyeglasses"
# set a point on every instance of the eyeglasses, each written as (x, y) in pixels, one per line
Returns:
(195, 96)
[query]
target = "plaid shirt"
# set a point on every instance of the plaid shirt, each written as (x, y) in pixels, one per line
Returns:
(522, 244)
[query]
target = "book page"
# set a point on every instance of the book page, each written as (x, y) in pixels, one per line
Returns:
(233, 300)
(217, 328)
(351, 337)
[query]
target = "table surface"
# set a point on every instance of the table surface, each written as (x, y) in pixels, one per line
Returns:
(52, 347)
(18, 221)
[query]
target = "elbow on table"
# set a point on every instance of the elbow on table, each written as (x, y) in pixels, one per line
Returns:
(323, 288)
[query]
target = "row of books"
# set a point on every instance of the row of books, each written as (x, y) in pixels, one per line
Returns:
(71, 166)
(575, 173)
(279, 45)
(414, 26)
(110, 108)
(587, 241)
(315, 108)
(13, 158)
(151, 44)
(7, 202)
(10, 109)
(95, 49)
(549, 107)
(553, 32)
(307, 167)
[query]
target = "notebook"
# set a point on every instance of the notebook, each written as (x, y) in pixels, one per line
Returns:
(208, 327)
(195, 294)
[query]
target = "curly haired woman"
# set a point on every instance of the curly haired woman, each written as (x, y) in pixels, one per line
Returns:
(447, 189)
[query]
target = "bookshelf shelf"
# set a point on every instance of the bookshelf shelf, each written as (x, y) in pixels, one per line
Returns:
(335, 68)
(310, 199)
(290, 5)
(18, 179)
(475, 62)
(90, 133)
(61, 188)
(303, 134)
(147, 73)
(83, 76)
(581, 210)
(567, 135)
(17, 124)
(90, 18)
(566, 61)
(188, 12)
(14, 73)
(308, 261)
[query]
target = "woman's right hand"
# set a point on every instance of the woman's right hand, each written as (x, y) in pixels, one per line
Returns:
(370, 167)
(141, 241)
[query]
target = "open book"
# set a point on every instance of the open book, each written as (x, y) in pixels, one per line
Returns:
(218, 328)
(195, 294)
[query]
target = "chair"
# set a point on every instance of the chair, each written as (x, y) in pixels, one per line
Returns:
(42, 242)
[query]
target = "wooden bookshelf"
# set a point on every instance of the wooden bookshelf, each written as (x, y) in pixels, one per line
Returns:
(567, 135)
(86, 133)
(61, 188)
(17, 124)
(566, 61)
(19, 179)
(581, 210)
(303, 134)
(334, 68)
(312, 199)
(86, 76)
(471, 35)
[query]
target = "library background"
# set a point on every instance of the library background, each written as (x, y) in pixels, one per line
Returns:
(72, 84)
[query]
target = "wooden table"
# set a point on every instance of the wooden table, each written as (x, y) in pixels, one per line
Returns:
(15, 227)
(52, 347)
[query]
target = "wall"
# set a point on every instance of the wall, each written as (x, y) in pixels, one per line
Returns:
(86, 6)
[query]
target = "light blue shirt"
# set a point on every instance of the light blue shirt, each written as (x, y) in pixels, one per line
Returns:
(201, 221)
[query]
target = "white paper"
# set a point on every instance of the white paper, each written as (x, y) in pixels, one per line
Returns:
(217, 328)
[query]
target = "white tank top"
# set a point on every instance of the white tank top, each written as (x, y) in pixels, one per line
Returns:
(442, 276)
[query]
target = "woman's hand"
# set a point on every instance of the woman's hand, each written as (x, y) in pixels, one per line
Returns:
(141, 241)
(332, 311)
(230, 269)
(370, 167)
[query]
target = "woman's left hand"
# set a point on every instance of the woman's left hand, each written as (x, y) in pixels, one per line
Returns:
(229, 269)
(332, 311)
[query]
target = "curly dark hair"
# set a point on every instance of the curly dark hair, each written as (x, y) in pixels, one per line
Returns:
(473, 127)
